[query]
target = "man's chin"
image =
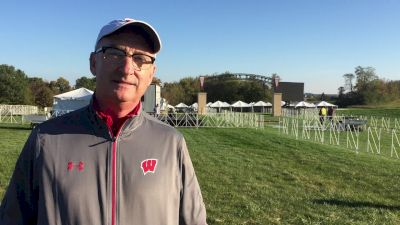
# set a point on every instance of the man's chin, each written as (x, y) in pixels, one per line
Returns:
(126, 97)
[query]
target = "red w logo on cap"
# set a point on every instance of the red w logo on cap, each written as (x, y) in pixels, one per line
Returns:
(149, 166)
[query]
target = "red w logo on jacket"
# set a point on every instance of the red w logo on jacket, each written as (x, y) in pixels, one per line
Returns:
(149, 166)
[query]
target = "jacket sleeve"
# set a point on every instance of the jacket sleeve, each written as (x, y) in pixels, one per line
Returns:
(19, 205)
(192, 210)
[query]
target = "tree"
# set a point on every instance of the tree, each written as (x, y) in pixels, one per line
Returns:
(369, 88)
(349, 77)
(275, 80)
(173, 92)
(365, 86)
(364, 76)
(61, 85)
(14, 88)
(322, 97)
(85, 82)
(341, 91)
(41, 93)
(156, 80)
(224, 87)
(229, 89)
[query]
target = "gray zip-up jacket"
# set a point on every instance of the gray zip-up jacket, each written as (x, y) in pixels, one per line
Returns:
(72, 171)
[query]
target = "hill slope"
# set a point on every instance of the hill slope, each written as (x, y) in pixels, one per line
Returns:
(253, 176)
(259, 177)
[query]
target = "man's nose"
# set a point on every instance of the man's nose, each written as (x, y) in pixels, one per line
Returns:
(128, 66)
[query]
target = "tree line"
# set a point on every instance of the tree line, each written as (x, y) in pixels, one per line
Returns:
(222, 87)
(361, 87)
(364, 87)
(16, 88)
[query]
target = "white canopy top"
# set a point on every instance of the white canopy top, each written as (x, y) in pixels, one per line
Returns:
(304, 104)
(261, 103)
(71, 100)
(225, 104)
(240, 104)
(170, 106)
(219, 104)
(194, 105)
(326, 104)
(80, 93)
(181, 105)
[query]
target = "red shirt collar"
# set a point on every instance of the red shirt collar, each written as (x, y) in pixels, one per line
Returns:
(114, 124)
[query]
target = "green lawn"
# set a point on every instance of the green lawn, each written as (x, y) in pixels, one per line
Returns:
(12, 139)
(260, 177)
(376, 112)
(251, 176)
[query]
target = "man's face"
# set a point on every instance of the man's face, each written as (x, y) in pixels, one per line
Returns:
(121, 82)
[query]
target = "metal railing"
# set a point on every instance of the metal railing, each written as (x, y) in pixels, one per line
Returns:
(222, 120)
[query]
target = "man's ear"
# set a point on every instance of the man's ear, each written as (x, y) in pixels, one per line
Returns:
(92, 62)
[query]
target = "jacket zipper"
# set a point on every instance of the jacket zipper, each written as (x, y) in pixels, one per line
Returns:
(114, 180)
(114, 174)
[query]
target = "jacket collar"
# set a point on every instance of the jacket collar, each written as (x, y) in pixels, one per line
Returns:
(100, 126)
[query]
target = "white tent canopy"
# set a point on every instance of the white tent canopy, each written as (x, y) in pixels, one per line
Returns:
(325, 104)
(312, 105)
(225, 104)
(304, 104)
(219, 104)
(261, 103)
(71, 100)
(240, 104)
(194, 105)
(181, 105)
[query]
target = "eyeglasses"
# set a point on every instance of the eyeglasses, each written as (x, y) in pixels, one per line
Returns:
(117, 56)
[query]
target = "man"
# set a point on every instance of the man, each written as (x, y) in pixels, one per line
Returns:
(108, 163)
(322, 114)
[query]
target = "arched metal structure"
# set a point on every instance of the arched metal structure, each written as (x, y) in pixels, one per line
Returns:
(242, 76)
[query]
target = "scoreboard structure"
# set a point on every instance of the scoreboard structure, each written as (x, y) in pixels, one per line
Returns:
(291, 91)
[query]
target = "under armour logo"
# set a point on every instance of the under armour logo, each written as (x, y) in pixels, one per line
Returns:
(79, 166)
(149, 166)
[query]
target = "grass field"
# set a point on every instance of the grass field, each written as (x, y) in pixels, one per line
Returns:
(259, 177)
(251, 176)
(376, 112)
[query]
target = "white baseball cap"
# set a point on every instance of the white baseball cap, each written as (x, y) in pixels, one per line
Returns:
(118, 24)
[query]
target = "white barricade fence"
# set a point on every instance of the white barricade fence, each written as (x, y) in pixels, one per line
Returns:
(223, 120)
(357, 137)
(396, 124)
(352, 137)
(319, 134)
(374, 140)
(373, 122)
(14, 113)
(386, 123)
(295, 128)
(334, 135)
(395, 144)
